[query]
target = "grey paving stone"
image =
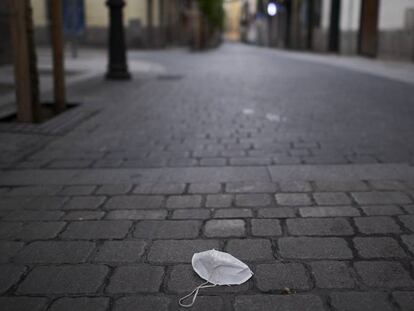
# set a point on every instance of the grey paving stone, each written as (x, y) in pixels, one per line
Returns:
(204, 188)
(78, 190)
(137, 214)
(331, 198)
(268, 302)
(34, 191)
(134, 202)
(337, 185)
(120, 251)
(266, 227)
(97, 229)
(225, 228)
(332, 274)
(182, 162)
(360, 301)
(46, 203)
(205, 153)
(142, 303)
(167, 229)
(250, 161)
(8, 230)
(69, 279)
(285, 159)
(381, 210)
(13, 203)
(24, 215)
(295, 186)
(70, 163)
(55, 252)
(10, 275)
(116, 189)
(204, 303)
(233, 213)
(387, 184)
(23, 303)
(136, 279)
(107, 163)
(377, 225)
(252, 200)
(84, 215)
(191, 214)
(178, 251)
(319, 226)
(8, 250)
(383, 197)
(277, 212)
(40, 230)
(184, 201)
(382, 274)
(405, 300)
(329, 211)
(251, 187)
(80, 303)
(409, 208)
(408, 221)
(233, 153)
(157, 188)
(84, 203)
(219, 200)
(378, 247)
(213, 162)
(277, 276)
(293, 199)
(250, 249)
(408, 241)
(314, 248)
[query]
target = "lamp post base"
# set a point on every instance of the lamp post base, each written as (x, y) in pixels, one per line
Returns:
(117, 66)
(118, 75)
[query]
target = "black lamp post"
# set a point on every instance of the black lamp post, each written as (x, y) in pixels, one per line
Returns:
(117, 66)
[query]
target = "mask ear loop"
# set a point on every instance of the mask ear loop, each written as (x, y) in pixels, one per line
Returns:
(195, 293)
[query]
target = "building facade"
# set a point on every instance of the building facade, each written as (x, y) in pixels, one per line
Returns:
(374, 28)
(148, 23)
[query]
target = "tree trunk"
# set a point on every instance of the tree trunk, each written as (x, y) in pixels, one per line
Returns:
(34, 73)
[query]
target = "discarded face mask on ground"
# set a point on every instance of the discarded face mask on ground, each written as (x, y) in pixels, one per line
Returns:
(217, 268)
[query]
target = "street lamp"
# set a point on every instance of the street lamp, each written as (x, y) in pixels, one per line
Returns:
(117, 66)
(271, 9)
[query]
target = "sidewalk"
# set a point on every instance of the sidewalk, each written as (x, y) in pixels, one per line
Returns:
(89, 64)
(301, 170)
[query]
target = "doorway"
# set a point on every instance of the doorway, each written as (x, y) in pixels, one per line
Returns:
(333, 44)
(368, 32)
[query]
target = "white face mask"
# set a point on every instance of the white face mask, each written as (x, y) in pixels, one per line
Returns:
(217, 268)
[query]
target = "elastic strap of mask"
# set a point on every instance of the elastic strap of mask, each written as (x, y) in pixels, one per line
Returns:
(195, 293)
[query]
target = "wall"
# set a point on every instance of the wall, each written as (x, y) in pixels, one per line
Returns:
(97, 19)
(396, 29)
(349, 26)
(321, 32)
(392, 14)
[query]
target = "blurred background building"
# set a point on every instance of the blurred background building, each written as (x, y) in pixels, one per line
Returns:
(375, 28)
(148, 23)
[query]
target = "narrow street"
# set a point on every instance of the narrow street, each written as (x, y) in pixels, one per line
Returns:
(299, 165)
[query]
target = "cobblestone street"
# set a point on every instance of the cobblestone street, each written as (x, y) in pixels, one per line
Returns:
(302, 169)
